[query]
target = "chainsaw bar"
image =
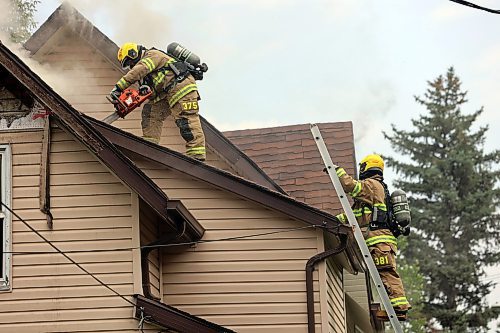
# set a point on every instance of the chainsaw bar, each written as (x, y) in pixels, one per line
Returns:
(111, 118)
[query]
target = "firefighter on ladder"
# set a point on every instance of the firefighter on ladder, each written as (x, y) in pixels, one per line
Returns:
(170, 96)
(370, 195)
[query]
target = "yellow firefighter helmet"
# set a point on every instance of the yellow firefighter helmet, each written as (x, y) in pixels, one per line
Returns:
(371, 165)
(129, 54)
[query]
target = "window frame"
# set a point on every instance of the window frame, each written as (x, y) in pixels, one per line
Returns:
(6, 197)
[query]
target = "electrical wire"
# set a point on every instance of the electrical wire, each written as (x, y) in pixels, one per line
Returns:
(201, 241)
(473, 5)
(66, 256)
(65, 253)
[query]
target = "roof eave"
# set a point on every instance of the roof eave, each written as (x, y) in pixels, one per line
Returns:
(174, 319)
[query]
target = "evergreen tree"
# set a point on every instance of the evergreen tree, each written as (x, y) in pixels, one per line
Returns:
(20, 19)
(452, 184)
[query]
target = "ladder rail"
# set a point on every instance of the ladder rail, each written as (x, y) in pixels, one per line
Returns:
(330, 166)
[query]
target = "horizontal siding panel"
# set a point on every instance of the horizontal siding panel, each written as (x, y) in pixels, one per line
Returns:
(25, 192)
(125, 324)
(25, 181)
(26, 159)
(74, 235)
(62, 304)
(251, 224)
(74, 246)
(230, 287)
(259, 318)
(87, 189)
(71, 280)
(201, 193)
(276, 234)
(167, 184)
(29, 148)
(26, 170)
(63, 145)
(210, 203)
(92, 200)
(238, 266)
(64, 315)
(76, 201)
(103, 267)
(80, 179)
(77, 167)
(252, 244)
(233, 213)
(76, 224)
(95, 108)
(82, 213)
(224, 256)
(264, 309)
(82, 258)
(68, 157)
(297, 328)
(59, 292)
(237, 280)
(235, 298)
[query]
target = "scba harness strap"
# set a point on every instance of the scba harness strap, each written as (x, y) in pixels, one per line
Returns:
(384, 218)
(181, 71)
(382, 213)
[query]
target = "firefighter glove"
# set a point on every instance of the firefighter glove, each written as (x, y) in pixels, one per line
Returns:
(115, 93)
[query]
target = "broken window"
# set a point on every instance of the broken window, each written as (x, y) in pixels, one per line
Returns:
(5, 216)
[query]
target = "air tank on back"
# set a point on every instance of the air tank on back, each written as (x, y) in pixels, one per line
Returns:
(181, 53)
(401, 208)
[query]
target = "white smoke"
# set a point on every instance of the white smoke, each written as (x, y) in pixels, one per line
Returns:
(132, 20)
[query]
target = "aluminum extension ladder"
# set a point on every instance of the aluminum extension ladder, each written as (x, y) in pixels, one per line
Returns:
(355, 227)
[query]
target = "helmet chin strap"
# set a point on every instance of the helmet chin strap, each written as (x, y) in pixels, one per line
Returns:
(370, 173)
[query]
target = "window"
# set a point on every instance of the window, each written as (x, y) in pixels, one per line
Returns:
(5, 216)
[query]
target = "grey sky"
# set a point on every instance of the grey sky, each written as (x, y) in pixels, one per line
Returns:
(281, 62)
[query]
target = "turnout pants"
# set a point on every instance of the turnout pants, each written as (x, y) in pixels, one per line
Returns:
(186, 117)
(384, 257)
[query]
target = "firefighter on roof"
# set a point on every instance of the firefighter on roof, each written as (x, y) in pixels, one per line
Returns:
(174, 92)
(372, 208)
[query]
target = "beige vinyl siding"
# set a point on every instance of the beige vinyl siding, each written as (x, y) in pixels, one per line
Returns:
(150, 233)
(249, 285)
(85, 77)
(92, 211)
(335, 298)
(355, 286)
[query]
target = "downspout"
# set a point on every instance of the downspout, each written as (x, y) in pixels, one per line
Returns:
(45, 174)
(146, 250)
(309, 279)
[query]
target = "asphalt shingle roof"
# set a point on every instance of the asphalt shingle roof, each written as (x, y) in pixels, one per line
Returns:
(289, 155)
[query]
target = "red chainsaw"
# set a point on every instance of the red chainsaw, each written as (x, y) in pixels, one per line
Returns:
(127, 101)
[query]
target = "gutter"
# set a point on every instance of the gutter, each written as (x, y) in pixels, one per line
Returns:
(309, 278)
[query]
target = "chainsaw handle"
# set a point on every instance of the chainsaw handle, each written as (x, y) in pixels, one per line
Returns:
(116, 101)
